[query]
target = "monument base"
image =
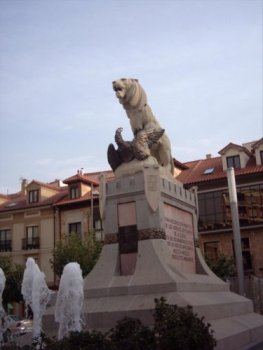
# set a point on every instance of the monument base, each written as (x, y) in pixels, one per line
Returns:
(151, 251)
(109, 297)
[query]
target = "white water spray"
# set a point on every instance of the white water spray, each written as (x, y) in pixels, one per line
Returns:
(36, 294)
(2, 311)
(69, 300)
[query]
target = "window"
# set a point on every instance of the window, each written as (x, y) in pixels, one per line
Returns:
(215, 209)
(98, 230)
(209, 171)
(250, 205)
(233, 162)
(247, 260)
(74, 227)
(32, 238)
(211, 215)
(261, 157)
(211, 250)
(5, 240)
(74, 192)
(33, 196)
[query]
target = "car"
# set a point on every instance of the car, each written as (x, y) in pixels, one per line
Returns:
(24, 326)
(16, 327)
(11, 324)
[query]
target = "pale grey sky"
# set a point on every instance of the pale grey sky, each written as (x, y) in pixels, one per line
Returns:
(200, 62)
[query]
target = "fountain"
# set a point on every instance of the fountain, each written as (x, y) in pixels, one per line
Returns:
(36, 295)
(69, 300)
(2, 311)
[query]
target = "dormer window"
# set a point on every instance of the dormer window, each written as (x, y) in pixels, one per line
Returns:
(233, 162)
(74, 192)
(33, 196)
(235, 156)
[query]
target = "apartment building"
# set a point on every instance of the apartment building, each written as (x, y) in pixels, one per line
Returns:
(215, 223)
(27, 223)
(78, 212)
(35, 218)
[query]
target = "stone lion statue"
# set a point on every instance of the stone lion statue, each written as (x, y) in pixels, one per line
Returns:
(133, 99)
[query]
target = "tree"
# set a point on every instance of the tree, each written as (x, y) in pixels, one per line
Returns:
(222, 266)
(179, 328)
(14, 276)
(85, 252)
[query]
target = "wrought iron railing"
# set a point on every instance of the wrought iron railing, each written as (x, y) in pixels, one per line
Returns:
(6, 246)
(30, 243)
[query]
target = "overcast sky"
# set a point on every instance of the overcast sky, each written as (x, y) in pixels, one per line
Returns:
(199, 61)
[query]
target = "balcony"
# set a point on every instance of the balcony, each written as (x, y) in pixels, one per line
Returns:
(30, 243)
(6, 246)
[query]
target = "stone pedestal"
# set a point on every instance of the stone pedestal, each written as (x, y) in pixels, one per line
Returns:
(151, 251)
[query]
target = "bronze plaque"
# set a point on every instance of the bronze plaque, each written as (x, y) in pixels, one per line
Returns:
(128, 239)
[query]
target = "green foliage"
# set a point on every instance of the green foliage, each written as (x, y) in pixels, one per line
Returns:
(14, 276)
(85, 252)
(81, 341)
(131, 334)
(223, 266)
(178, 328)
(175, 328)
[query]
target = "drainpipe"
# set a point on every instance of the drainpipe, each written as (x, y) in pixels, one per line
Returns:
(236, 228)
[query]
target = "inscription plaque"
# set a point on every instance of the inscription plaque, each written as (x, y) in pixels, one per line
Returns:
(180, 237)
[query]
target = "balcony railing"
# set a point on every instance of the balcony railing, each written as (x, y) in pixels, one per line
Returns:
(30, 243)
(6, 246)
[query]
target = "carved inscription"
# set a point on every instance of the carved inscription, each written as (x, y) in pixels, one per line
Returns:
(180, 238)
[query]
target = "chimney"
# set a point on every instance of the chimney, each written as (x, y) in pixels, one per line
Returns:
(208, 156)
(24, 184)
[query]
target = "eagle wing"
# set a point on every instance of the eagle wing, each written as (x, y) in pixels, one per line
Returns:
(153, 135)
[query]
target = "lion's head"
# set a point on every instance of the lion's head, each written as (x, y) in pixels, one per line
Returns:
(129, 93)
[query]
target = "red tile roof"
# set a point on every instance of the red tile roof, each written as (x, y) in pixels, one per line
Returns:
(179, 165)
(84, 178)
(195, 173)
(20, 202)
(66, 200)
(233, 145)
(44, 184)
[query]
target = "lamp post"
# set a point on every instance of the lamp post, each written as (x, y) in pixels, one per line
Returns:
(91, 209)
(236, 228)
